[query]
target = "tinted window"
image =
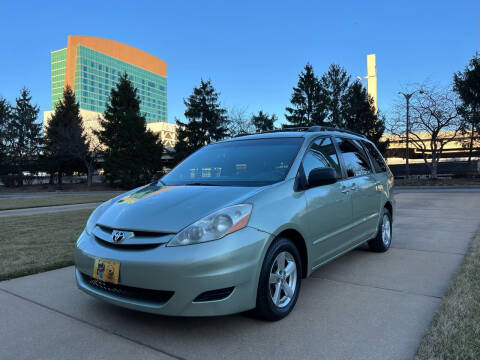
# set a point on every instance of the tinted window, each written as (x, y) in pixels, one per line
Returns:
(377, 159)
(253, 162)
(354, 157)
(321, 154)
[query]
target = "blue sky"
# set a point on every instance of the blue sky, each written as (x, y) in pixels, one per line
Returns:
(251, 50)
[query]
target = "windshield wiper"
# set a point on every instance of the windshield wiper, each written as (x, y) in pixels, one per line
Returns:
(200, 184)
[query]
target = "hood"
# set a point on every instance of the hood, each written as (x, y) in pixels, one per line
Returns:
(169, 209)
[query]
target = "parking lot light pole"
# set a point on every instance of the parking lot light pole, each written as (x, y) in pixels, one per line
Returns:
(407, 153)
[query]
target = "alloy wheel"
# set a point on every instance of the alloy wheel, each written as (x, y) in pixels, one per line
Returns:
(386, 230)
(283, 279)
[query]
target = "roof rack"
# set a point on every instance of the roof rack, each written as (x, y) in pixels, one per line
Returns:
(299, 128)
(331, 128)
(316, 128)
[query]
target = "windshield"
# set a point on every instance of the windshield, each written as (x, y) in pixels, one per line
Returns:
(255, 162)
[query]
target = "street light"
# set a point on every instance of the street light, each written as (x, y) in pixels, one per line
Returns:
(407, 154)
(359, 78)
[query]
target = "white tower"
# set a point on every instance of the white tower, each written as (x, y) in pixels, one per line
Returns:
(372, 78)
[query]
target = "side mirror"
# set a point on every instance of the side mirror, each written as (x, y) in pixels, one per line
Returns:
(322, 176)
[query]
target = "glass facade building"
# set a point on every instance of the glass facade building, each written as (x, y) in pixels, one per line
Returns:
(58, 59)
(92, 66)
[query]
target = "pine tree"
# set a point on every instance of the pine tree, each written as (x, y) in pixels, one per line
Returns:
(5, 117)
(23, 135)
(132, 153)
(308, 105)
(333, 87)
(467, 86)
(65, 142)
(207, 121)
(358, 114)
(263, 121)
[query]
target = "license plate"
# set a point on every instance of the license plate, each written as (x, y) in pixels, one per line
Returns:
(106, 270)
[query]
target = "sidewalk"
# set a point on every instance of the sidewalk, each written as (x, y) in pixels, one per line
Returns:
(47, 209)
(363, 305)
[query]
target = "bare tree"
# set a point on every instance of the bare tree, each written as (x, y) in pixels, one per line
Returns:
(434, 122)
(239, 122)
(91, 156)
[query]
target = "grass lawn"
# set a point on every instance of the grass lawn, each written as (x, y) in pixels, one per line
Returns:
(22, 203)
(36, 243)
(455, 330)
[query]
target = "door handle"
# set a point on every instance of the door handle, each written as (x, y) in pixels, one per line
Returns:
(354, 187)
(344, 190)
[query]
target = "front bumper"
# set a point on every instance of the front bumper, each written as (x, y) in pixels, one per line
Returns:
(187, 271)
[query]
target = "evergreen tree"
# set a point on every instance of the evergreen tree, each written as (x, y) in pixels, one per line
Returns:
(5, 118)
(358, 114)
(65, 142)
(263, 121)
(334, 85)
(23, 135)
(207, 121)
(132, 153)
(467, 86)
(308, 105)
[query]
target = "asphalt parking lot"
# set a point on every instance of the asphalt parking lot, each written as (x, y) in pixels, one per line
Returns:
(361, 306)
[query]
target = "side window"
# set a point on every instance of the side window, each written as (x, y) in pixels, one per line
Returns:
(321, 154)
(354, 157)
(377, 159)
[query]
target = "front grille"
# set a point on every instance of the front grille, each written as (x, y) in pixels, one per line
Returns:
(136, 232)
(129, 292)
(141, 240)
(213, 295)
(126, 246)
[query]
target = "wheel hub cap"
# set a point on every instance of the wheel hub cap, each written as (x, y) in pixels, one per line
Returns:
(386, 230)
(283, 279)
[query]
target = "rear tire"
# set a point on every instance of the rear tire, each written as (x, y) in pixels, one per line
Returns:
(383, 240)
(279, 282)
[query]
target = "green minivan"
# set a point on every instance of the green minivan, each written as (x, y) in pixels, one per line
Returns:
(238, 224)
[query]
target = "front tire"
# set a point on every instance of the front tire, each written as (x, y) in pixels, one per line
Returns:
(383, 240)
(279, 282)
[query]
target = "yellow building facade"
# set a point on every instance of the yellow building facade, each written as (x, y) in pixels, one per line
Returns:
(456, 150)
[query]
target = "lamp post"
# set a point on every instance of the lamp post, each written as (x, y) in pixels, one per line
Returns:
(407, 153)
(359, 78)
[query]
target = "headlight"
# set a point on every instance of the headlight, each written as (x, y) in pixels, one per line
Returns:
(92, 220)
(214, 226)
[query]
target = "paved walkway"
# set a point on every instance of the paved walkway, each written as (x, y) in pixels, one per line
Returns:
(361, 306)
(47, 209)
(7, 195)
(437, 189)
